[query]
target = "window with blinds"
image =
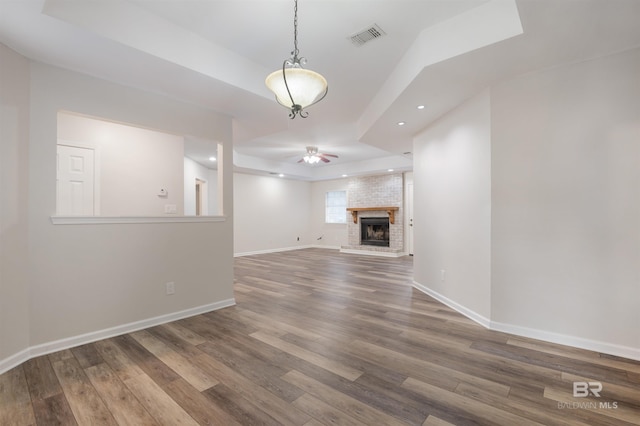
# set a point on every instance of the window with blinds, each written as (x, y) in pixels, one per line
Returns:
(336, 207)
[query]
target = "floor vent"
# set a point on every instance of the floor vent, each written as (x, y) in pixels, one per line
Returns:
(371, 33)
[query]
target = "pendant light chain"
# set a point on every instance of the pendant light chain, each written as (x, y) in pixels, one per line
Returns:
(295, 30)
(295, 87)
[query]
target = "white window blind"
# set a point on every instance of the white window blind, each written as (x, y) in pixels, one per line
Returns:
(336, 207)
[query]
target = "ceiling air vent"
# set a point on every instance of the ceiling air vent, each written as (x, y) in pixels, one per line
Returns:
(371, 33)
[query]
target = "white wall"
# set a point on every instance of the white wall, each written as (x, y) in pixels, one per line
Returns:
(133, 163)
(271, 213)
(84, 280)
(193, 171)
(14, 163)
(332, 235)
(564, 244)
(566, 202)
(452, 207)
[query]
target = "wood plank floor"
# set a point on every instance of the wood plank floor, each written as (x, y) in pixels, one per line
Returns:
(318, 337)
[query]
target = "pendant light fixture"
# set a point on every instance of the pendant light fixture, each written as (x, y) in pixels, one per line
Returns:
(296, 88)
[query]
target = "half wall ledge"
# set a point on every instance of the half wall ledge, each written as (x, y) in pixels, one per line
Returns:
(110, 220)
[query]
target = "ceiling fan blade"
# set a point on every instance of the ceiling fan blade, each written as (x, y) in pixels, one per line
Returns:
(331, 155)
(326, 160)
(301, 160)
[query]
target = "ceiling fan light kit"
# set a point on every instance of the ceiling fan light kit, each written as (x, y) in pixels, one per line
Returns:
(311, 159)
(296, 88)
(314, 157)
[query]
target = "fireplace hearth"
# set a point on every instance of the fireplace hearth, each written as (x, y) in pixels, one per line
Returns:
(374, 231)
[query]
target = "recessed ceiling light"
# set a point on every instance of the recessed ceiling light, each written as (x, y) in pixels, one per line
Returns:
(212, 158)
(345, 175)
(420, 106)
(390, 170)
(281, 175)
(401, 123)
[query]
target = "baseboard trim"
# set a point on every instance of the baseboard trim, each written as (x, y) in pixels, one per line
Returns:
(14, 360)
(342, 250)
(485, 322)
(573, 341)
(547, 336)
(325, 247)
(277, 250)
(70, 342)
(251, 253)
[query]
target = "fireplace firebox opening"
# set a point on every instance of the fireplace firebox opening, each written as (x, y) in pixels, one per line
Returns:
(374, 231)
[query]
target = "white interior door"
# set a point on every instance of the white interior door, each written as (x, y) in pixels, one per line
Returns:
(75, 181)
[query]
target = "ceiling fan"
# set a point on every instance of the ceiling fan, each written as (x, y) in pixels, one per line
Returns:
(313, 156)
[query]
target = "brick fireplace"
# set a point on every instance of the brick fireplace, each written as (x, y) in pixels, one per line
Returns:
(376, 198)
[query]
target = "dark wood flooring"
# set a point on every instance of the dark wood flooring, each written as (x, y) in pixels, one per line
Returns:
(318, 337)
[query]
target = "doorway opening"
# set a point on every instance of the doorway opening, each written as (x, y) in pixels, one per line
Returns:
(201, 198)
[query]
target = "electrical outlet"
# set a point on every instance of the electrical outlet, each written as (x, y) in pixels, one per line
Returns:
(442, 274)
(298, 238)
(171, 287)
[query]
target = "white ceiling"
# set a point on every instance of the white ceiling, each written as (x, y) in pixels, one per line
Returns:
(217, 53)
